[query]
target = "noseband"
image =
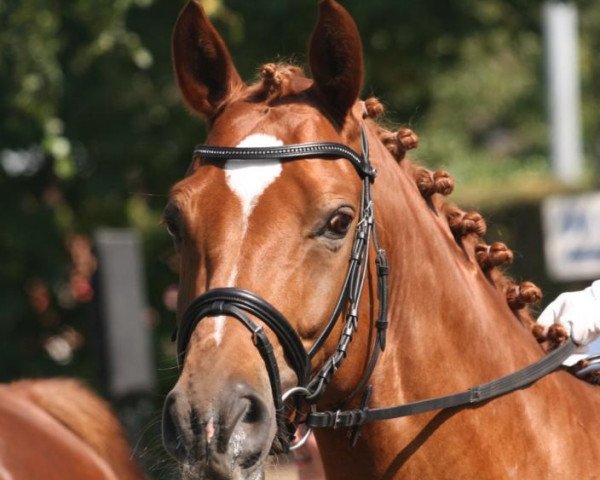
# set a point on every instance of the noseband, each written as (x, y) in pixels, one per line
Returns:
(242, 305)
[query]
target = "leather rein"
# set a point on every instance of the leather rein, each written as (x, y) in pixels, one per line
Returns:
(243, 305)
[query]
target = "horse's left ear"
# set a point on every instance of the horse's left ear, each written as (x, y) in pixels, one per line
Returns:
(335, 56)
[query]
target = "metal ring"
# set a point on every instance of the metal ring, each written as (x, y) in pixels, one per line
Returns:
(302, 441)
(294, 390)
(304, 391)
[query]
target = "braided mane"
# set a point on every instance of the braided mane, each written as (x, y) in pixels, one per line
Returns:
(468, 228)
(277, 80)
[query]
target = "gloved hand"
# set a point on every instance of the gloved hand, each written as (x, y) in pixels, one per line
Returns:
(579, 313)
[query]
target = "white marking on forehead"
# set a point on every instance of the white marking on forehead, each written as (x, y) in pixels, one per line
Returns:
(248, 180)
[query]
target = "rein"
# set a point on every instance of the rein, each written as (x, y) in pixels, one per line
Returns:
(238, 303)
(468, 398)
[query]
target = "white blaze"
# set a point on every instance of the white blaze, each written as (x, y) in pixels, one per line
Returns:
(248, 179)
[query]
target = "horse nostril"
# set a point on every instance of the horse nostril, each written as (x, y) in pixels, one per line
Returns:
(255, 412)
(255, 427)
(171, 433)
(251, 461)
(245, 416)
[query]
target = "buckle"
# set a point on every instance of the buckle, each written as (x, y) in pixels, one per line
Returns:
(337, 419)
(383, 268)
(475, 394)
(364, 404)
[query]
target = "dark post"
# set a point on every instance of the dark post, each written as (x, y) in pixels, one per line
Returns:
(126, 337)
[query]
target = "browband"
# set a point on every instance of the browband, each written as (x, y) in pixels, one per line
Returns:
(322, 150)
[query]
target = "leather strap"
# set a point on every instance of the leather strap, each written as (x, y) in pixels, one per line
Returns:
(322, 150)
(471, 397)
(220, 301)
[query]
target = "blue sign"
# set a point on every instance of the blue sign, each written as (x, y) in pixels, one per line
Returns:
(572, 236)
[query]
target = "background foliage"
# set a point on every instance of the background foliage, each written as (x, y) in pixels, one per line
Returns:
(93, 132)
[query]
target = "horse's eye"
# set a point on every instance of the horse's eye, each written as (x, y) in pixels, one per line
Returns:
(172, 223)
(339, 224)
(172, 230)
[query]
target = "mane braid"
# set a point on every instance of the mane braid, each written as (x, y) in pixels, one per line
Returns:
(276, 80)
(467, 228)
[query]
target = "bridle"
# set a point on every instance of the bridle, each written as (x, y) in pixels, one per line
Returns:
(243, 305)
(239, 303)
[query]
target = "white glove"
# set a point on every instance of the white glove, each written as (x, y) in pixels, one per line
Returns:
(579, 313)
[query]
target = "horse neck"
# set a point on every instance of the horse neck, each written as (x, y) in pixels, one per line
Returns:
(442, 306)
(450, 329)
(443, 312)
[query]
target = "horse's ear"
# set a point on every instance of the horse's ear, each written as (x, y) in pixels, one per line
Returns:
(203, 67)
(335, 56)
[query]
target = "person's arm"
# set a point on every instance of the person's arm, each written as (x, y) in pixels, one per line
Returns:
(577, 312)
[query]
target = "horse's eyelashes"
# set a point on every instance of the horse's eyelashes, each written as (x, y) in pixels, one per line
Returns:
(172, 230)
(171, 221)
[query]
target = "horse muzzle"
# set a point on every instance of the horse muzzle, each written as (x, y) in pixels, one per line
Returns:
(221, 435)
(245, 306)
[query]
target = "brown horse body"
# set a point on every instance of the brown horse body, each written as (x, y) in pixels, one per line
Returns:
(280, 230)
(56, 429)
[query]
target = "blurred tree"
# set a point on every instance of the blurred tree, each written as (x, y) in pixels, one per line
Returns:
(82, 142)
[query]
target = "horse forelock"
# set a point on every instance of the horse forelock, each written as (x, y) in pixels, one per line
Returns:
(280, 79)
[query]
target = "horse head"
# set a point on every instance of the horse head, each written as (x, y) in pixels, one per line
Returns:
(282, 230)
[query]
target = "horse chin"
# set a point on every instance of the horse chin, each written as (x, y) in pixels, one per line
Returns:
(204, 471)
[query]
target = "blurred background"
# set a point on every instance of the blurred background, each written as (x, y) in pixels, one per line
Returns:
(93, 134)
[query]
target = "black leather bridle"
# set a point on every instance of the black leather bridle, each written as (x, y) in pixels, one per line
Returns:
(244, 305)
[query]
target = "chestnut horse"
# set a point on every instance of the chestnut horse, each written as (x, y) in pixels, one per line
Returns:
(57, 429)
(284, 231)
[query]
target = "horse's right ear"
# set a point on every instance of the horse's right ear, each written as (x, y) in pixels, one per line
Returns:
(203, 67)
